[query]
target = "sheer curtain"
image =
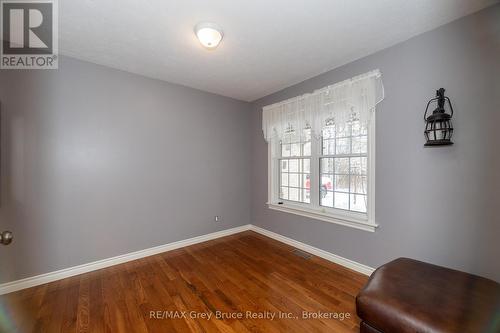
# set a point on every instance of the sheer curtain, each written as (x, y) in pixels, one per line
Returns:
(352, 99)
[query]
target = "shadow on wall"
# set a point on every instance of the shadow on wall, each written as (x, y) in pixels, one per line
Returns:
(15, 197)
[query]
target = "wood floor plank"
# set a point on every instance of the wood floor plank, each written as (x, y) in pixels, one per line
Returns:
(244, 275)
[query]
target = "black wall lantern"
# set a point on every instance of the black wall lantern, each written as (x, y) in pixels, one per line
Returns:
(438, 127)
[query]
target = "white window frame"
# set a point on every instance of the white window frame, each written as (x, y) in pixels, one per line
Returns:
(362, 221)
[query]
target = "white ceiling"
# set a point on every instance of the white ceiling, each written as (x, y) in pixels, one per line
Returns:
(268, 44)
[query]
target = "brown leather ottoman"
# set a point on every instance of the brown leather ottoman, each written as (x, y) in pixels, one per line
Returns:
(406, 295)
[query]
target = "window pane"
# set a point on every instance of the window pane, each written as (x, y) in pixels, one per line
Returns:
(358, 129)
(329, 132)
(327, 165)
(306, 183)
(358, 202)
(293, 194)
(294, 180)
(343, 131)
(294, 144)
(307, 134)
(331, 148)
(284, 179)
(327, 199)
(326, 182)
(294, 173)
(306, 165)
(343, 146)
(341, 200)
(342, 183)
(343, 180)
(284, 165)
(359, 145)
(342, 166)
(295, 149)
(285, 150)
(284, 193)
(306, 195)
(358, 165)
(358, 184)
(328, 146)
(307, 149)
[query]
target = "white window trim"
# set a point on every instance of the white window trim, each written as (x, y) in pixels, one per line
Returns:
(338, 216)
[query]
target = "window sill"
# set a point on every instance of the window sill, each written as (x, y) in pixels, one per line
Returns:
(345, 220)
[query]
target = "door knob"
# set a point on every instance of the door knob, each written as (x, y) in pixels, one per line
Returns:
(6, 237)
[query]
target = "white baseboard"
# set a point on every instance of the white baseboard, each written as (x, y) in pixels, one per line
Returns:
(9, 287)
(363, 269)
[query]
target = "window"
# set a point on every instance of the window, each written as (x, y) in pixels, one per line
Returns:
(294, 169)
(344, 162)
(329, 178)
(322, 152)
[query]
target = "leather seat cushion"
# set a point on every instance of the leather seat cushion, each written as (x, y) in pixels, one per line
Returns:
(407, 295)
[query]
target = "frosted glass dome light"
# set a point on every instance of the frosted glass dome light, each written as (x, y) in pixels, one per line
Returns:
(209, 34)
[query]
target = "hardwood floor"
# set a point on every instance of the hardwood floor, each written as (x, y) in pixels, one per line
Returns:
(240, 275)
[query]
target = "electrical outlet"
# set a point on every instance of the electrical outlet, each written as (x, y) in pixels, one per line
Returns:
(217, 218)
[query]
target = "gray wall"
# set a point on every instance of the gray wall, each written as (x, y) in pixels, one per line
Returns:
(98, 163)
(437, 205)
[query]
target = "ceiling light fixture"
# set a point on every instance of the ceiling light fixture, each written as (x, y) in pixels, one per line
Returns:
(209, 34)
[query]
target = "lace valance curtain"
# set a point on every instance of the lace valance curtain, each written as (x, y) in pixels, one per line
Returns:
(352, 99)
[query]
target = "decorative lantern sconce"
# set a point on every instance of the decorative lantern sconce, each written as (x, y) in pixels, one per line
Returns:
(438, 127)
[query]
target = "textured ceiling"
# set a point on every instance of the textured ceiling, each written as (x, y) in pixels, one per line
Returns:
(267, 46)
